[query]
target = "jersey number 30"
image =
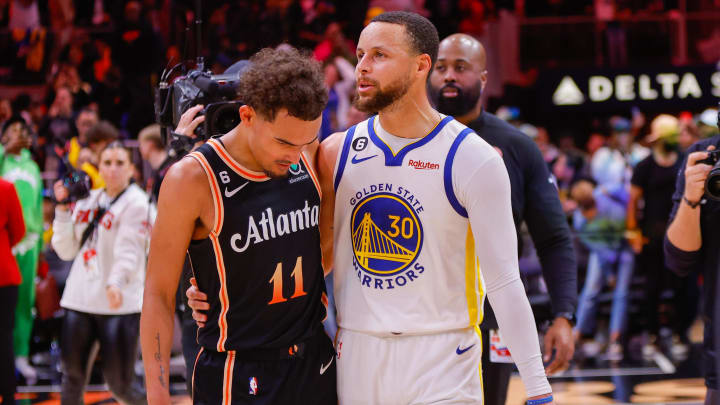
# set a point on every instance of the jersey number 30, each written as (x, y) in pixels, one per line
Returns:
(277, 282)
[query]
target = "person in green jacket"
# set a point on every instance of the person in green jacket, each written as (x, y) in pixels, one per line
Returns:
(18, 167)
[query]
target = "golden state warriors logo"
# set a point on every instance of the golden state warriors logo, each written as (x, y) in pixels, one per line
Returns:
(386, 234)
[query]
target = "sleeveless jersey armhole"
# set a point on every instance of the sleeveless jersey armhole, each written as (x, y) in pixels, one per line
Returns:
(342, 160)
(447, 173)
(214, 191)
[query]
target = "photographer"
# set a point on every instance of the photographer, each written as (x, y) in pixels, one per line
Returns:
(692, 243)
(106, 233)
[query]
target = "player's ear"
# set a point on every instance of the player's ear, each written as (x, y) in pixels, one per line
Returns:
(247, 114)
(424, 62)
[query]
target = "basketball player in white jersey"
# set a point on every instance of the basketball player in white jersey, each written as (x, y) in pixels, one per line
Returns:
(419, 216)
(422, 228)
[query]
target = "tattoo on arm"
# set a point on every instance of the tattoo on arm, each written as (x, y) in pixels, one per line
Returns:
(158, 358)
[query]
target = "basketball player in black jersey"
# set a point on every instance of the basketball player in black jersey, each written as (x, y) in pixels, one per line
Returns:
(245, 207)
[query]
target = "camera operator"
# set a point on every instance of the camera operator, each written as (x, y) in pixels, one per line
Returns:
(106, 234)
(692, 243)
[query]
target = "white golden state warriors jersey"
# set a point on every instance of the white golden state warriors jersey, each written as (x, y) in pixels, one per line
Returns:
(405, 259)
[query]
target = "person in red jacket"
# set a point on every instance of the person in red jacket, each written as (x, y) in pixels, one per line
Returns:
(12, 230)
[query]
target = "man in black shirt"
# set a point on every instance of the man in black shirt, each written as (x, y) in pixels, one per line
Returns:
(653, 181)
(692, 242)
(455, 87)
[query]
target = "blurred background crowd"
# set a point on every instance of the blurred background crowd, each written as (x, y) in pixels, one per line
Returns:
(76, 75)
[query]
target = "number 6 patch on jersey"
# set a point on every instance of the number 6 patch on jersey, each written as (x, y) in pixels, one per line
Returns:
(499, 353)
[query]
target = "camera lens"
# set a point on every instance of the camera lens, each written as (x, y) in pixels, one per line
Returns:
(712, 184)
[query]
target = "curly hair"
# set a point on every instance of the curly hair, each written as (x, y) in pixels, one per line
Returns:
(283, 78)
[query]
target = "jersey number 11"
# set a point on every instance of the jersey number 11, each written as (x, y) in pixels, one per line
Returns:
(277, 282)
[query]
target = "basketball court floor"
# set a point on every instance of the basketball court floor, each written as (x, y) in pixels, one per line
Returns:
(655, 381)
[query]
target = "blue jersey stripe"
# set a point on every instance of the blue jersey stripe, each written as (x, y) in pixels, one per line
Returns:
(344, 155)
(447, 174)
(392, 159)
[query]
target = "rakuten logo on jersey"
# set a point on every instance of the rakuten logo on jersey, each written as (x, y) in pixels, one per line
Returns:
(420, 165)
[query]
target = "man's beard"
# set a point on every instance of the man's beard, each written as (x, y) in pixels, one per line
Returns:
(383, 98)
(459, 105)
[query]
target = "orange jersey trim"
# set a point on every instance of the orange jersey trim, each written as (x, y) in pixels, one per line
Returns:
(214, 190)
(192, 386)
(237, 168)
(219, 218)
(227, 380)
(223, 295)
(312, 174)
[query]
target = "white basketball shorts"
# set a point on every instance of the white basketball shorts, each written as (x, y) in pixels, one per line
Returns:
(442, 368)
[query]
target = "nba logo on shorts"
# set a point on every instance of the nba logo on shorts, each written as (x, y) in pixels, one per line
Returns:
(253, 386)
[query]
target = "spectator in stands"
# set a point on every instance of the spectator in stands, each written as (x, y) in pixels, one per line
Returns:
(340, 81)
(600, 224)
(152, 150)
(85, 120)
(18, 167)
(653, 184)
(98, 137)
(5, 110)
(12, 230)
(689, 132)
(58, 126)
(612, 164)
(334, 44)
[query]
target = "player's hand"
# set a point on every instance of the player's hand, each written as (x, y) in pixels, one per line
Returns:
(188, 121)
(695, 175)
(560, 338)
(197, 300)
(114, 296)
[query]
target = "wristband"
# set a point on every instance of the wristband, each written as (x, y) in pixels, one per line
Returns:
(692, 204)
(540, 401)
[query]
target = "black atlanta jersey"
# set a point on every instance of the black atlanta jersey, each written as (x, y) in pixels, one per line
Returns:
(261, 264)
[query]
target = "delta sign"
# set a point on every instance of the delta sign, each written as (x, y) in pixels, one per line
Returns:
(652, 89)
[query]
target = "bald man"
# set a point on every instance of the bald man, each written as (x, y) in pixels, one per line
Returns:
(456, 85)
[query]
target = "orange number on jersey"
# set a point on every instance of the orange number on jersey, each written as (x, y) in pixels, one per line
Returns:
(277, 282)
(297, 274)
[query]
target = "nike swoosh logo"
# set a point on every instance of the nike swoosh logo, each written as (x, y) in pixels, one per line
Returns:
(324, 368)
(229, 194)
(460, 351)
(355, 160)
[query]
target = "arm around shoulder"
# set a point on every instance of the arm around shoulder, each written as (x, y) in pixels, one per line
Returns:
(326, 158)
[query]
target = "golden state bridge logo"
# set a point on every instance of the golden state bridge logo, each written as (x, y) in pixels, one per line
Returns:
(387, 238)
